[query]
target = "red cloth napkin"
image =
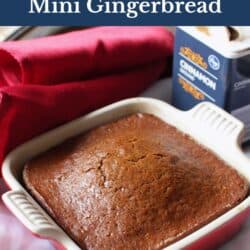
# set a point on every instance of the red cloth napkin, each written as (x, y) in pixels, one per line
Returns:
(28, 110)
(101, 66)
(82, 55)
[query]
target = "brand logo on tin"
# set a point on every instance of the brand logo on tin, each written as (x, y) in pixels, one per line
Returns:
(214, 62)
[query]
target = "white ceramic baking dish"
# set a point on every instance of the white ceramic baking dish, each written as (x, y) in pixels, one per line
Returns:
(210, 126)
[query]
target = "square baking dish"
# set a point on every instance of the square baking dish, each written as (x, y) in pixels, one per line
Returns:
(207, 124)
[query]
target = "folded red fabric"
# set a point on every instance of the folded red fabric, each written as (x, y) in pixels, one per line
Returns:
(29, 110)
(82, 54)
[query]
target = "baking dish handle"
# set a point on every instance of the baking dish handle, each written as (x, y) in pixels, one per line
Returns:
(220, 131)
(33, 217)
(210, 120)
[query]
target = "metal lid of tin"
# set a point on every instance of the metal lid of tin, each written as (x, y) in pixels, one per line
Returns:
(231, 42)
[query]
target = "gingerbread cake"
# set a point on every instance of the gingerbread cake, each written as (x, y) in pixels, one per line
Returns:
(136, 183)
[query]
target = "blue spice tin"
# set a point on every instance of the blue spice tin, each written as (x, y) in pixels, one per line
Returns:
(207, 69)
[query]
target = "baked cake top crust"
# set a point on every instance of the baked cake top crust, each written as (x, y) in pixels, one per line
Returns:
(136, 183)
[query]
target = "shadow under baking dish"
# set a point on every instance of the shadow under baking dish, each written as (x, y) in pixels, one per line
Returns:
(210, 126)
